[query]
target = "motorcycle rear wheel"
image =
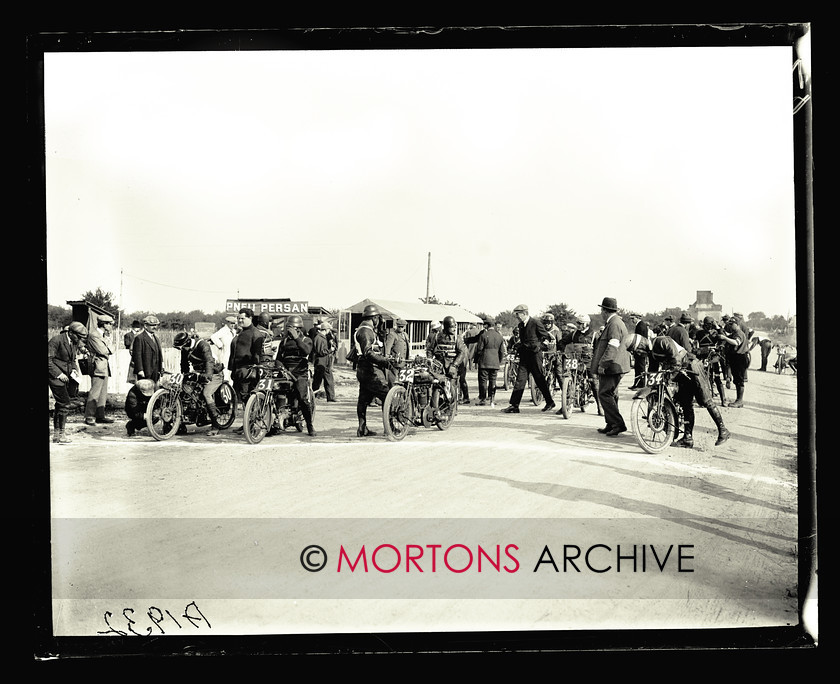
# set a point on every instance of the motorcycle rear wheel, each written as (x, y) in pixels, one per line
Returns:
(654, 429)
(163, 415)
(258, 418)
(226, 404)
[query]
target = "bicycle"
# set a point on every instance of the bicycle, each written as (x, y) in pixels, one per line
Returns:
(409, 402)
(179, 402)
(509, 374)
(656, 418)
(273, 404)
(550, 359)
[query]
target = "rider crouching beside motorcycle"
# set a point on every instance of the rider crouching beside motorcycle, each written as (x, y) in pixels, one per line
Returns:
(449, 349)
(692, 382)
(293, 353)
(198, 354)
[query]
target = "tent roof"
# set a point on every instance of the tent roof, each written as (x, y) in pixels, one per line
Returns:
(416, 311)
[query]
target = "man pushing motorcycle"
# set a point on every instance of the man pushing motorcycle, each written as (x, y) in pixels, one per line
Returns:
(692, 382)
(197, 353)
(449, 349)
(293, 353)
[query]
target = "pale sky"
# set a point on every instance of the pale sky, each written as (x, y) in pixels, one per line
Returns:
(533, 176)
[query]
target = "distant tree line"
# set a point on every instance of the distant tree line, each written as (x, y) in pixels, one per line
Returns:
(59, 316)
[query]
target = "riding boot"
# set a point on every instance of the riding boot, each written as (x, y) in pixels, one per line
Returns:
(361, 414)
(60, 423)
(721, 391)
(687, 440)
(307, 417)
(90, 412)
(723, 433)
(101, 417)
(739, 399)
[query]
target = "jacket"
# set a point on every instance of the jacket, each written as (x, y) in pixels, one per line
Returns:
(491, 350)
(147, 355)
(532, 334)
(100, 348)
(61, 355)
(200, 357)
(610, 357)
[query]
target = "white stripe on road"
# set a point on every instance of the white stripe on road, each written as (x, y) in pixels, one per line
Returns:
(507, 446)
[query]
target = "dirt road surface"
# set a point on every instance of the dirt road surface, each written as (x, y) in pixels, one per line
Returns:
(204, 534)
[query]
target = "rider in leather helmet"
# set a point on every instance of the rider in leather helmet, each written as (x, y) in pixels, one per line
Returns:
(448, 347)
(371, 367)
(693, 384)
(293, 353)
(196, 353)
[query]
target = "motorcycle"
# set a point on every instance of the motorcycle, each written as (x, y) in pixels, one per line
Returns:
(409, 402)
(273, 404)
(656, 418)
(179, 402)
(577, 389)
(711, 356)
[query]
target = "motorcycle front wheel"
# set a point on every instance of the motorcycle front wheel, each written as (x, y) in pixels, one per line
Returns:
(536, 395)
(257, 419)
(163, 415)
(567, 397)
(654, 427)
(394, 413)
(510, 375)
(447, 409)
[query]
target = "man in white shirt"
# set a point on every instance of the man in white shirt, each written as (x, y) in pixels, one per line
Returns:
(220, 343)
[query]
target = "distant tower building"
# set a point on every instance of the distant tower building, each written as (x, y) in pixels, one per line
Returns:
(705, 306)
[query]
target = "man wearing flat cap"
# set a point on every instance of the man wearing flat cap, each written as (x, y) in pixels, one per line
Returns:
(610, 362)
(679, 332)
(100, 345)
(532, 336)
(322, 360)
(146, 352)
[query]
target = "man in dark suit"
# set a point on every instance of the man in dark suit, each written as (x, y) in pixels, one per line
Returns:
(490, 354)
(146, 352)
(128, 338)
(640, 359)
(64, 374)
(610, 361)
(679, 332)
(532, 338)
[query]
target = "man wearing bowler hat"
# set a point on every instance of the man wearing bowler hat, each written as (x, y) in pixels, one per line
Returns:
(609, 362)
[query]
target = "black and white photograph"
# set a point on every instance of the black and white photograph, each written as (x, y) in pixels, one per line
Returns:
(368, 339)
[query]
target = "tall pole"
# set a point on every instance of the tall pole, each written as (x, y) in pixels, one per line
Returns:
(119, 308)
(428, 273)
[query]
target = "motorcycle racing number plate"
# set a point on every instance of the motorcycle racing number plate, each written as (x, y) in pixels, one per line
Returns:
(571, 364)
(269, 384)
(406, 375)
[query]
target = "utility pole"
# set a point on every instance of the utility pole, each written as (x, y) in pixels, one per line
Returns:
(119, 308)
(428, 273)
